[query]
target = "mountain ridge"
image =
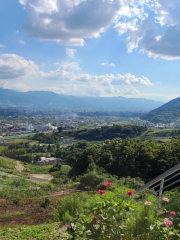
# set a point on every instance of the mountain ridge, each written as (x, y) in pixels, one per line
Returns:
(49, 99)
(168, 112)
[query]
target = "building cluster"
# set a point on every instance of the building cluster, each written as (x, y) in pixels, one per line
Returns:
(43, 121)
(48, 161)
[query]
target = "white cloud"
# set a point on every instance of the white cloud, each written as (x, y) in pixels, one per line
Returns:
(68, 66)
(131, 91)
(108, 64)
(69, 22)
(142, 34)
(130, 79)
(20, 87)
(65, 72)
(78, 90)
(1, 45)
(43, 65)
(21, 42)
(122, 27)
(14, 67)
(70, 52)
(93, 90)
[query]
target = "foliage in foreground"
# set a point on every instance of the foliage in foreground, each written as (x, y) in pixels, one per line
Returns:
(117, 215)
(43, 232)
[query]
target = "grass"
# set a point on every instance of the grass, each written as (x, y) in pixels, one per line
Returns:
(7, 163)
(19, 187)
(43, 232)
(36, 169)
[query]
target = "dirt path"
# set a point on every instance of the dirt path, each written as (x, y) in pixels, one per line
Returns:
(19, 167)
(41, 177)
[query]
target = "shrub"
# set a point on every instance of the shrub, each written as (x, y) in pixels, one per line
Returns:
(91, 180)
(72, 205)
(134, 183)
(46, 203)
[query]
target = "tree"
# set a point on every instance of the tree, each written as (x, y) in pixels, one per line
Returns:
(60, 129)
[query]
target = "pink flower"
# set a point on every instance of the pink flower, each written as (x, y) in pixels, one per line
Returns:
(129, 193)
(168, 223)
(165, 199)
(172, 214)
(105, 184)
(95, 219)
(101, 192)
(147, 203)
(109, 183)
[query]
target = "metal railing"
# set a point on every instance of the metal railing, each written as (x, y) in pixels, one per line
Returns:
(167, 182)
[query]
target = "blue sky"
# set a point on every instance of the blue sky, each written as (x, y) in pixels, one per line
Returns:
(100, 48)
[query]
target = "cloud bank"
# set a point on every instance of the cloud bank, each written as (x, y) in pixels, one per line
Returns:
(152, 26)
(15, 67)
(68, 77)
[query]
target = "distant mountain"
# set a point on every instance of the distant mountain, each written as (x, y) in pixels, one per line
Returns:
(173, 103)
(166, 113)
(45, 99)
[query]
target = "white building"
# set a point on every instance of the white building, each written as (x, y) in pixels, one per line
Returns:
(29, 127)
(49, 161)
(45, 127)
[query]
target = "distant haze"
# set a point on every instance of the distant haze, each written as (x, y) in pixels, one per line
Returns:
(52, 100)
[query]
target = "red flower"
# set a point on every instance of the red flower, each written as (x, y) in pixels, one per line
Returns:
(168, 223)
(105, 184)
(101, 192)
(129, 193)
(165, 199)
(95, 219)
(172, 214)
(109, 183)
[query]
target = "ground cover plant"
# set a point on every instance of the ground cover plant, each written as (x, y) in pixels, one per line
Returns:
(19, 187)
(7, 163)
(43, 232)
(37, 169)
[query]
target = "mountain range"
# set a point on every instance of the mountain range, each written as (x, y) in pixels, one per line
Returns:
(46, 99)
(166, 113)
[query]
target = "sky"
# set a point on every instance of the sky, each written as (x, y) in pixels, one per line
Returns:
(99, 48)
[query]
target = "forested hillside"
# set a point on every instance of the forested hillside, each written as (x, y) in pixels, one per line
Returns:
(128, 157)
(165, 115)
(103, 133)
(96, 134)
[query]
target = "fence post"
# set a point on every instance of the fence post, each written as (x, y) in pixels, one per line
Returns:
(160, 193)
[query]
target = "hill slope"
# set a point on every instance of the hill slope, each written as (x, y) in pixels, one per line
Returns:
(47, 99)
(168, 112)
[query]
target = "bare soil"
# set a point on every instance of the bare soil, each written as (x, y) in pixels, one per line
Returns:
(41, 177)
(29, 211)
(19, 167)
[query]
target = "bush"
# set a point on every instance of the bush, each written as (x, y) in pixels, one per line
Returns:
(91, 180)
(71, 205)
(46, 203)
(134, 183)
